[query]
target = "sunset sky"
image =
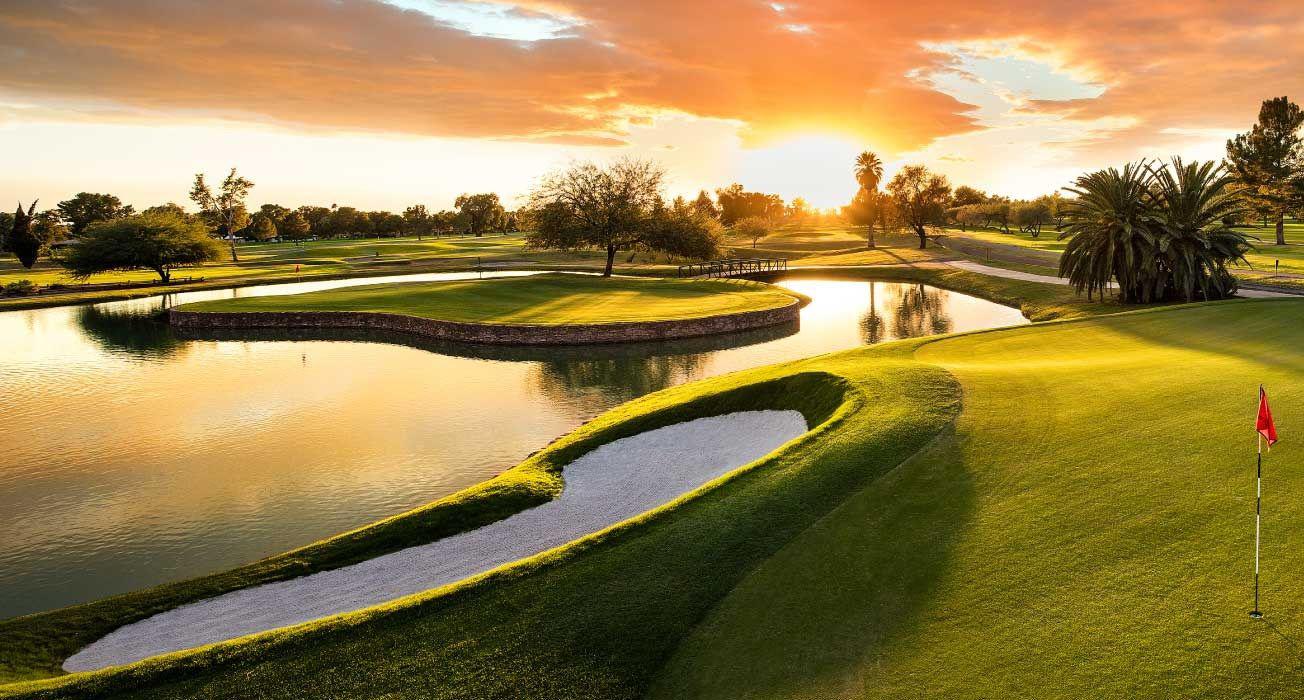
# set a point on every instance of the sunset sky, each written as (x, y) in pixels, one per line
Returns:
(384, 104)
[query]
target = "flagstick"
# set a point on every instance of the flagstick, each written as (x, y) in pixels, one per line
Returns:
(1258, 515)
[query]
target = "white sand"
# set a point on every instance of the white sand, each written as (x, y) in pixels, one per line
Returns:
(613, 483)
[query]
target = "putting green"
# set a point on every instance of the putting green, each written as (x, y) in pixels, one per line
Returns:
(545, 299)
(1081, 525)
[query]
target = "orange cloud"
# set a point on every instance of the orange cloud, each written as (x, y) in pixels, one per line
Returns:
(843, 66)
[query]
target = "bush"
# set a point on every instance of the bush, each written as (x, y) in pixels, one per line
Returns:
(21, 288)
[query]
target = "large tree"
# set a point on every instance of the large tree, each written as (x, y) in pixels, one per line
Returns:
(614, 208)
(1268, 160)
(226, 206)
(24, 240)
(920, 199)
(482, 212)
(85, 208)
(160, 242)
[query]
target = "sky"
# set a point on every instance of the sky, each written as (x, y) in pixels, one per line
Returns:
(380, 104)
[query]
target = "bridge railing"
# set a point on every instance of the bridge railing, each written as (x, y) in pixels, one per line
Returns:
(733, 267)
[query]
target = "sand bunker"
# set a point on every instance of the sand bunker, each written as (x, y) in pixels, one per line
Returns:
(613, 483)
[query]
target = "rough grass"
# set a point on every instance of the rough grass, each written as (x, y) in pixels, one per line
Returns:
(595, 619)
(1086, 531)
(547, 299)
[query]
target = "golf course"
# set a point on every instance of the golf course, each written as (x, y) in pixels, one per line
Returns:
(553, 299)
(965, 514)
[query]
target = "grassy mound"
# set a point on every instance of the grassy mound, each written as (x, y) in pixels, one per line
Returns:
(547, 299)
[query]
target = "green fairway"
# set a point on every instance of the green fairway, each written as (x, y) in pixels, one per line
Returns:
(1048, 239)
(1083, 528)
(283, 262)
(1086, 531)
(546, 299)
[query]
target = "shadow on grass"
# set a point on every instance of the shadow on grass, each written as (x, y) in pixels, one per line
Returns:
(813, 620)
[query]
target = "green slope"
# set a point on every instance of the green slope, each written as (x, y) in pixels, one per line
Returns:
(1087, 531)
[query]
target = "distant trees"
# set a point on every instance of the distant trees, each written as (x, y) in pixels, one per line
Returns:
(384, 223)
(294, 227)
(614, 208)
(1031, 216)
(263, 228)
(736, 203)
(6, 227)
(753, 228)
(705, 206)
(225, 209)
(919, 198)
(86, 208)
(965, 195)
(157, 241)
(482, 212)
(1268, 161)
(169, 208)
(1158, 230)
(417, 221)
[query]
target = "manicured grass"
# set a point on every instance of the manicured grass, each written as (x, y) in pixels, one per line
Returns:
(1081, 527)
(546, 299)
(1047, 240)
(1086, 531)
(1268, 254)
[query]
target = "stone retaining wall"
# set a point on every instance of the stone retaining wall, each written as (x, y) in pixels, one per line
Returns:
(497, 334)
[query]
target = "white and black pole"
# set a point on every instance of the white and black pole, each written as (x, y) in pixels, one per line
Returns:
(1258, 516)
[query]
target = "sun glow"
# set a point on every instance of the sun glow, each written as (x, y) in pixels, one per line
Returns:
(816, 166)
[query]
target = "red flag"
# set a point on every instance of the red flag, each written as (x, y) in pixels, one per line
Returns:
(1264, 424)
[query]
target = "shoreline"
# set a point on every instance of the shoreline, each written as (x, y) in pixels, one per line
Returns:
(495, 334)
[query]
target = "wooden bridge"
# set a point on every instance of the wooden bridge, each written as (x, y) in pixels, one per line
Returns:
(733, 267)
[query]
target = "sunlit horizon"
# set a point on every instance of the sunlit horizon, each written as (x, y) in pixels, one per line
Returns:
(380, 105)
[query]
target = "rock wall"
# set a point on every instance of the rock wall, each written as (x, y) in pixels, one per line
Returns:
(497, 334)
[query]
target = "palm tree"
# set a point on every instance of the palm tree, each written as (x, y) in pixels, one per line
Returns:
(1193, 201)
(1157, 231)
(869, 173)
(1109, 230)
(869, 170)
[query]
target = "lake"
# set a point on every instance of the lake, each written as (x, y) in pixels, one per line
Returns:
(134, 456)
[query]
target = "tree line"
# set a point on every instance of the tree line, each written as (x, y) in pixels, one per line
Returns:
(224, 215)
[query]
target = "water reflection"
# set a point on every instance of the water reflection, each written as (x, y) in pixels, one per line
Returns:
(146, 336)
(135, 455)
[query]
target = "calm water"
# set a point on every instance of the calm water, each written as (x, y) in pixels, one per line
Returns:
(130, 456)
